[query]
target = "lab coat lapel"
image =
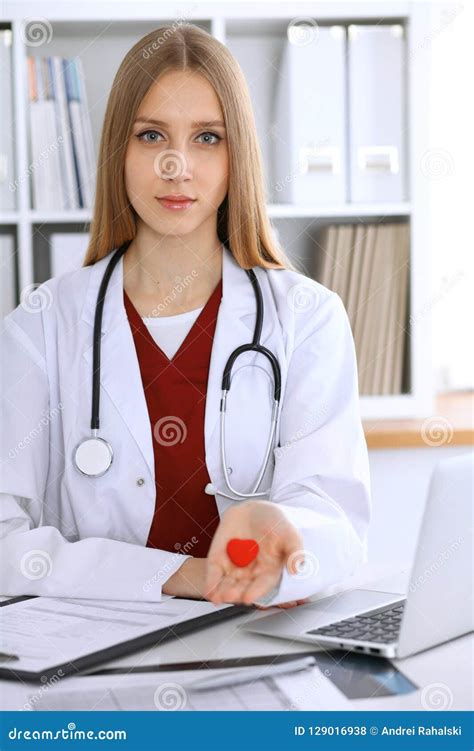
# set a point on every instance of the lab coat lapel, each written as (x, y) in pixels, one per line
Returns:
(234, 326)
(120, 370)
(120, 373)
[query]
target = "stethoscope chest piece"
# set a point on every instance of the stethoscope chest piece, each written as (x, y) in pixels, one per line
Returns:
(93, 456)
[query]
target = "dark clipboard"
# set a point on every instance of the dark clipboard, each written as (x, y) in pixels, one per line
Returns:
(122, 648)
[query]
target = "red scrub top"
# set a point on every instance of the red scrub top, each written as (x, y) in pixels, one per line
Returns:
(175, 392)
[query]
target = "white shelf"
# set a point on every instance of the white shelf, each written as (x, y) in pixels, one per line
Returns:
(275, 211)
(322, 211)
(59, 217)
(9, 217)
(118, 25)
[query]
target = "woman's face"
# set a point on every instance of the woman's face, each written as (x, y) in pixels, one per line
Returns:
(178, 155)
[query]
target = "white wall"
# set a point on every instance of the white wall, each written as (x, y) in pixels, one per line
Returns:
(399, 481)
(449, 168)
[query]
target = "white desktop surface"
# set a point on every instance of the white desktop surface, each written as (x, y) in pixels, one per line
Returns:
(448, 664)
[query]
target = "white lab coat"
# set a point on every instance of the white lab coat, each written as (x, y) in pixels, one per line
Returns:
(64, 534)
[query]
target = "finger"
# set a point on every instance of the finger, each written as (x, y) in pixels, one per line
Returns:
(227, 591)
(259, 587)
(232, 589)
(236, 595)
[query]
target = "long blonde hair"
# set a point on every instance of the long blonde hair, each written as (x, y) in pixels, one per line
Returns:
(242, 221)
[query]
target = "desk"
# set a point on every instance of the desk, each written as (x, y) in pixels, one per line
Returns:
(448, 664)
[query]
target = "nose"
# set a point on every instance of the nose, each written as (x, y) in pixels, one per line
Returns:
(173, 165)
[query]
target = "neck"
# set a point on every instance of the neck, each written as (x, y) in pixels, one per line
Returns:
(154, 267)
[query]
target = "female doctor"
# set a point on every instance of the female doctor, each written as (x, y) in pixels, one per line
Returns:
(135, 445)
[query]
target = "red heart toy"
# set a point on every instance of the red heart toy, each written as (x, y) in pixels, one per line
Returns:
(242, 552)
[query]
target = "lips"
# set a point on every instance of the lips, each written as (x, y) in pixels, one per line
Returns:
(176, 198)
(177, 204)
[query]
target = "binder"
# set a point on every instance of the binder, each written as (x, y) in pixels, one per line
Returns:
(355, 280)
(392, 332)
(325, 260)
(63, 126)
(7, 274)
(362, 304)
(47, 180)
(402, 312)
(60, 130)
(382, 336)
(342, 261)
(115, 647)
(377, 100)
(7, 164)
(310, 113)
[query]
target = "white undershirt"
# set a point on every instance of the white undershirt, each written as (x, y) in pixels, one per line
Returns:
(169, 332)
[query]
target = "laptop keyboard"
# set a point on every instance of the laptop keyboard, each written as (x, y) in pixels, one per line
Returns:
(380, 626)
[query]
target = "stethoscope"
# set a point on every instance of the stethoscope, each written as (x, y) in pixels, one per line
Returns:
(93, 456)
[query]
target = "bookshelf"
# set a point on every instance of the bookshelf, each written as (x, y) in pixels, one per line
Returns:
(101, 32)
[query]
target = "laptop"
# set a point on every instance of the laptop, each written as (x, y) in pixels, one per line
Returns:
(438, 605)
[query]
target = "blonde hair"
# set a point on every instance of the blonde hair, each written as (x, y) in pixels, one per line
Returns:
(242, 221)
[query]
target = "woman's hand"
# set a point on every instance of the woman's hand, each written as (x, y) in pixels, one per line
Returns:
(280, 544)
(189, 580)
(284, 605)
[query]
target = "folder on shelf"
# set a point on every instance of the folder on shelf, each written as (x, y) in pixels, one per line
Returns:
(63, 128)
(377, 112)
(366, 249)
(388, 364)
(45, 156)
(375, 291)
(342, 260)
(402, 309)
(382, 337)
(7, 172)
(368, 267)
(324, 259)
(60, 135)
(355, 278)
(81, 128)
(310, 112)
(7, 274)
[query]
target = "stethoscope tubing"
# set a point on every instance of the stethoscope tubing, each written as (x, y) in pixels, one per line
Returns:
(254, 346)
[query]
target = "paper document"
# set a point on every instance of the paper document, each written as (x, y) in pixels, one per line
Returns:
(172, 691)
(46, 631)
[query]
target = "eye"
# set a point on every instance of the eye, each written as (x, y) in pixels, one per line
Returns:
(147, 132)
(142, 137)
(213, 135)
